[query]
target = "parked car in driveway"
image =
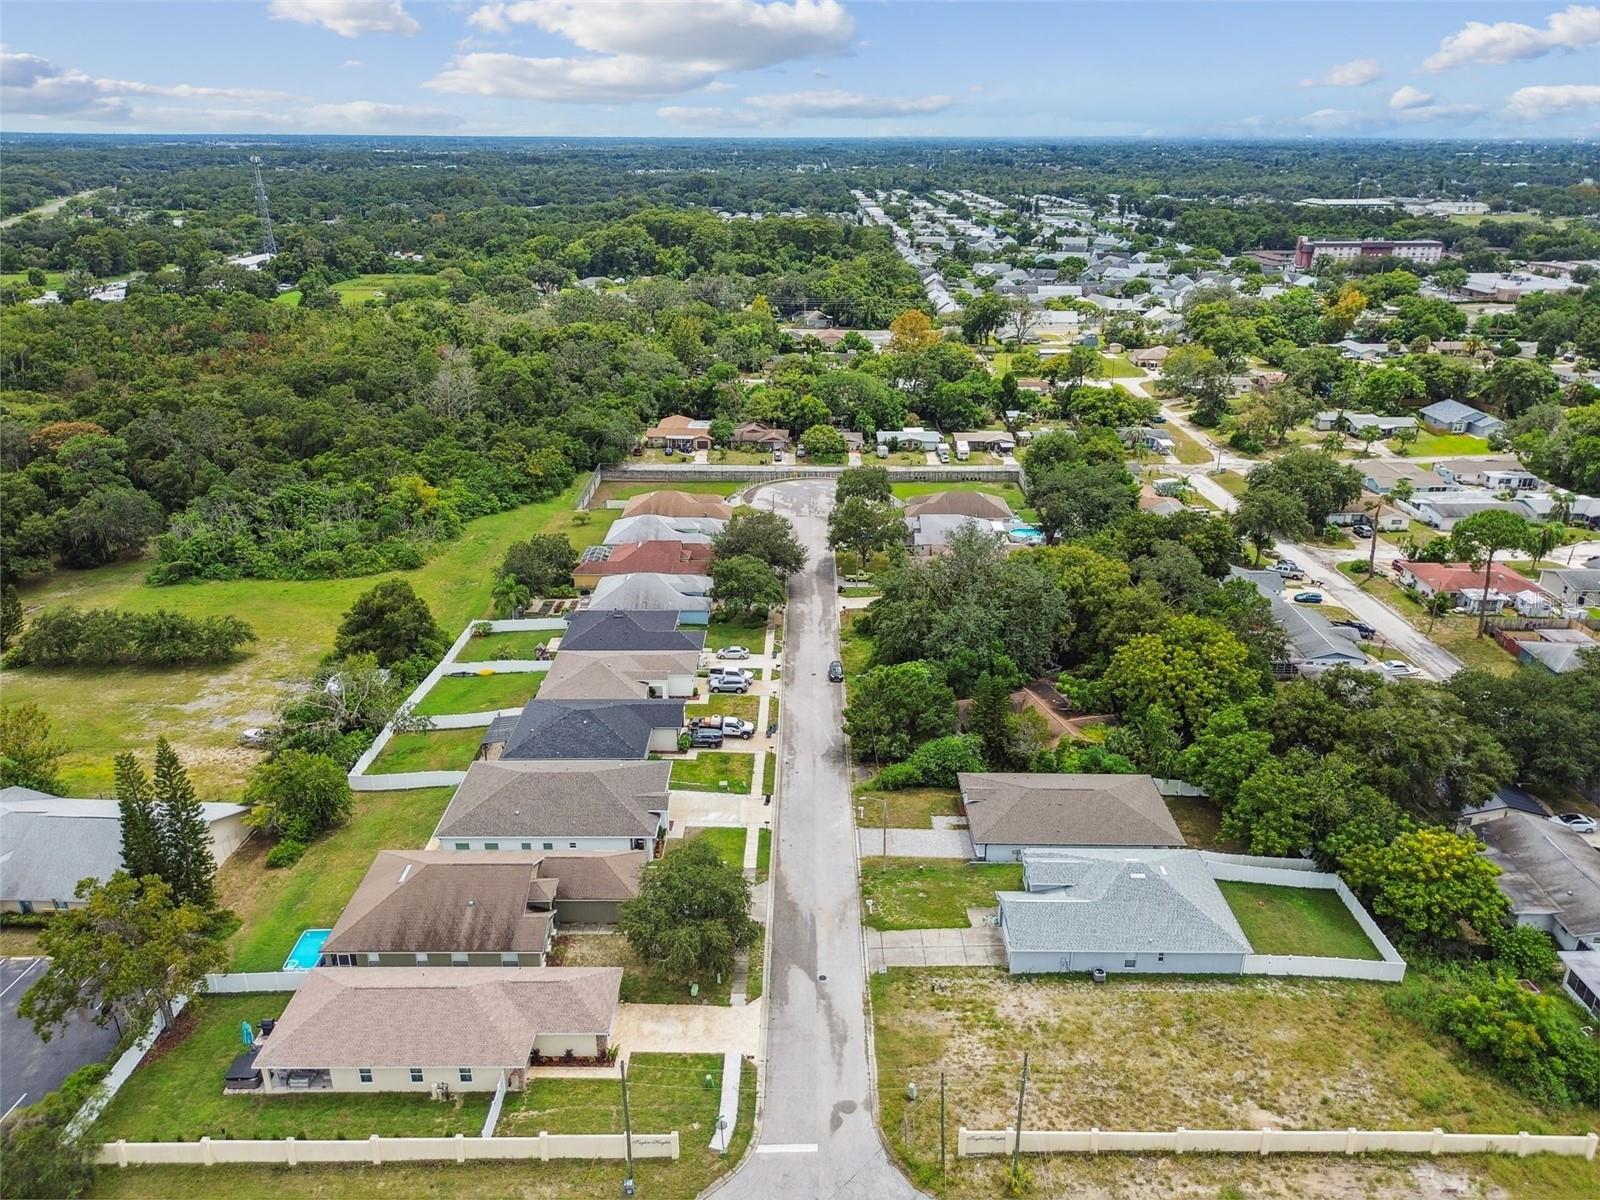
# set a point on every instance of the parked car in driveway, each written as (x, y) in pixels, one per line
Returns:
(1288, 568)
(730, 683)
(1361, 627)
(1361, 531)
(1308, 597)
(705, 736)
(734, 652)
(1398, 668)
(1576, 822)
(836, 671)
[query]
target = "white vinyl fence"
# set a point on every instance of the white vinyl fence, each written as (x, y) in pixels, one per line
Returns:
(256, 981)
(976, 1143)
(378, 1150)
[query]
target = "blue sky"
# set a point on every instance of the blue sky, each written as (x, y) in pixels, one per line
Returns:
(1275, 68)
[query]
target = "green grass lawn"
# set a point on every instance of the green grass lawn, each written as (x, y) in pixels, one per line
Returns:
(201, 710)
(480, 693)
(1142, 1052)
(728, 841)
(1231, 482)
(1200, 822)
(506, 645)
(1118, 366)
(707, 771)
(436, 750)
(931, 893)
(52, 279)
(1186, 448)
(769, 773)
(642, 982)
(725, 631)
(275, 905)
(855, 650)
(665, 1092)
(1291, 920)
(365, 288)
(1442, 445)
(177, 1096)
(1457, 634)
(1009, 492)
(908, 808)
(725, 704)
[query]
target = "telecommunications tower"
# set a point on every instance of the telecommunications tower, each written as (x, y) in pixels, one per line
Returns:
(269, 244)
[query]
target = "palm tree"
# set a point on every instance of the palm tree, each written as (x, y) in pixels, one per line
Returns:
(509, 593)
(1400, 492)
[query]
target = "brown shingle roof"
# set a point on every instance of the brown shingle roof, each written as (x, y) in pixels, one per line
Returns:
(594, 874)
(677, 504)
(1066, 810)
(657, 558)
(436, 1016)
(552, 797)
(679, 426)
(979, 505)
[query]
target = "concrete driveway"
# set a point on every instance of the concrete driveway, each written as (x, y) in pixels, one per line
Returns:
(935, 948)
(34, 1068)
(915, 843)
(688, 1028)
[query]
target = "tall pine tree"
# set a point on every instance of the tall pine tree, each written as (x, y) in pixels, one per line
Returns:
(993, 719)
(141, 830)
(185, 836)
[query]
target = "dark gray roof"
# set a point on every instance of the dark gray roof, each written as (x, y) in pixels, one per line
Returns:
(1119, 902)
(1509, 797)
(617, 629)
(591, 729)
(523, 798)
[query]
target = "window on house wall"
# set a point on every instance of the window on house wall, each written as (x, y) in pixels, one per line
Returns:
(61, 906)
(458, 959)
(1130, 962)
(416, 1074)
(549, 845)
(463, 845)
(527, 845)
(422, 960)
(366, 1074)
(465, 1074)
(491, 845)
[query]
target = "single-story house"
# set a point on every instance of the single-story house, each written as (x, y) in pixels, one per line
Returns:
(679, 433)
(1496, 474)
(1355, 422)
(621, 674)
(1008, 812)
(561, 806)
(915, 438)
(585, 729)
(615, 629)
(662, 557)
(1152, 501)
(1452, 416)
(1379, 476)
(1458, 579)
(993, 441)
(981, 506)
(1550, 874)
(1145, 911)
(1555, 653)
(930, 534)
(1580, 977)
(1572, 585)
(677, 504)
(755, 435)
(684, 596)
(1312, 643)
(1151, 358)
(652, 528)
(1443, 510)
(419, 1029)
(49, 843)
(439, 908)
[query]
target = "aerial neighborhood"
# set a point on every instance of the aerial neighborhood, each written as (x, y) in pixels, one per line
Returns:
(789, 667)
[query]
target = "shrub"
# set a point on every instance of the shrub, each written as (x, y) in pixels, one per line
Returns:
(1526, 952)
(105, 637)
(1246, 443)
(933, 764)
(40, 1160)
(1532, 1041)
(286, 853)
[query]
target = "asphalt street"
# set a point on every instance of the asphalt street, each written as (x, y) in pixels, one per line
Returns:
(818, 1138)
(30, 1068)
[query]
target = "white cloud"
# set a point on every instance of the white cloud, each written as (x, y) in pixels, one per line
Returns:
(712, 118)
(1573, 28)
(718, 85)
(1532, 103)
(350, 63)
(347, 18)
(728, 35)
(847, 104)
(36, 86)
(364, 115)
(1355, 73)
(566, 80)
(1407, 96)
(1350, 120)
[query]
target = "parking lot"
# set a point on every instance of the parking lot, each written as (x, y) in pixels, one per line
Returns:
(31, 1068)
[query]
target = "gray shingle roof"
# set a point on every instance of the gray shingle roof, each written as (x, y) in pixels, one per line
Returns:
(1547, 868)
(647, 591)
(1116, 902)
(558, 799)
(615, 629)
(49, 843)
(613, 674)
(1066, 810)
(587, 729)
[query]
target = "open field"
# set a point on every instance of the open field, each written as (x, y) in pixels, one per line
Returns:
(177, 1096)
(1146, 1053)
(435, 750)
(480, 693)
(661, 1096)
(907, 808)
(506, 645)
(931, 893)
(1188, 451)
(729, 631)
(1442, 445)
(202, 710)
(52, 279)
(364, 288)
(707, 771)
(1290, 920)
(642, 982)
(275, 905)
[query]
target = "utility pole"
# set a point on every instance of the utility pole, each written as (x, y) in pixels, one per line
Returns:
(941, 1127)
(627, 1130)
(886, 829)
(1022, 1094)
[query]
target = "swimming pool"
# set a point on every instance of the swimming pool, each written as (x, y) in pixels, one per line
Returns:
(1025, 533)
(307, 950)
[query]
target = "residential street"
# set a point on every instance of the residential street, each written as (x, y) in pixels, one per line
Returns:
(818, 1136)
